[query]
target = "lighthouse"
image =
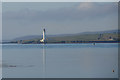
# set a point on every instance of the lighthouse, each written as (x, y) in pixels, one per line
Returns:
(44, 37)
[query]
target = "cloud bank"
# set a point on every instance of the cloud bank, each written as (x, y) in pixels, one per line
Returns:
(83, 16)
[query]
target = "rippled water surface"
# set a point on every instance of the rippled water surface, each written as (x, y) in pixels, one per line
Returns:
(60, 60)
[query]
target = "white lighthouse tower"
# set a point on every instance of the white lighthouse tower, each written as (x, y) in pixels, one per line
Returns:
(44, 36)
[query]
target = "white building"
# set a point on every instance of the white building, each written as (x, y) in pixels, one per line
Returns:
(44, 36)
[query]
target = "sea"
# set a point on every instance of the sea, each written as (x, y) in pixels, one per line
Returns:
(82, 60)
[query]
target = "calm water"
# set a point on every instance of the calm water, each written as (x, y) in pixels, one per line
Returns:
(60, 60)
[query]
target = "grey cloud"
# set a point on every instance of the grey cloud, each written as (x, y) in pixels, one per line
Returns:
(63, 14)
(74, 19)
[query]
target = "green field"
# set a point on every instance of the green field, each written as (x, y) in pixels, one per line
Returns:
(73, 38)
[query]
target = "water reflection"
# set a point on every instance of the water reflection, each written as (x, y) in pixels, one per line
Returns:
(60, 61)
(44, 60)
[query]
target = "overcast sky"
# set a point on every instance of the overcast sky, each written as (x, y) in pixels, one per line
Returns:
(28, 18)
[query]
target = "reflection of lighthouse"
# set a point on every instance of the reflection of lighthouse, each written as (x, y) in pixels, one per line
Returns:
(44, 36)
(44, 61)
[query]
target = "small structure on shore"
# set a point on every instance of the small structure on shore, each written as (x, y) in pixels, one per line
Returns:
(44, 37)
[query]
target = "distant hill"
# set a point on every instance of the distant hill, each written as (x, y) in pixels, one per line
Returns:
(64, 35)
(102, 32)
(28, 37)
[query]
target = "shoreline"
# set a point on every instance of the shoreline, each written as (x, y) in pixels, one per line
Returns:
(65, 42)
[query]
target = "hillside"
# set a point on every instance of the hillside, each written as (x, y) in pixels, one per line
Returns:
(71, 38)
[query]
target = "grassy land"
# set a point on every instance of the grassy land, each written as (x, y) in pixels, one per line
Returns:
(73, 38)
